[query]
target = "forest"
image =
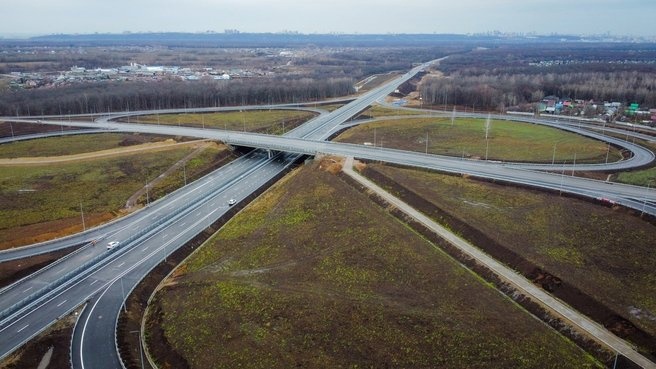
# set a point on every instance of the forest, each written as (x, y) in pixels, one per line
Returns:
(130, 96)
(506, 77)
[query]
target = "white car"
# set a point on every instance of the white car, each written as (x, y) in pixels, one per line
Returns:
(112, 244)
(232, 202)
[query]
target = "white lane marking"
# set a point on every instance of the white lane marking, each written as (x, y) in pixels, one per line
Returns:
(94, 281)
(18, 331)
(146, 248)
(183, 224)
(164, 236)
(120, 265)
(27, 289)
(61, 303)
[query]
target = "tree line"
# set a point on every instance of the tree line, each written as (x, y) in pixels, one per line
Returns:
(510, 76)
(130, 96)
(500, 91)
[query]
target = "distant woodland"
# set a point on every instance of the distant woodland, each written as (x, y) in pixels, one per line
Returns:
(509, 77)
(129, 96)
(315, 74)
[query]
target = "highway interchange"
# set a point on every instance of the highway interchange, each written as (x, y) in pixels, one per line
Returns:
(104, 277)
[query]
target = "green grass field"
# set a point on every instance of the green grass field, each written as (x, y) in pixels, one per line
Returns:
(508, 141)
(606, 253)
(75, 144)
(263, 121)
(378, 111)
(313, 274)
(641, 177)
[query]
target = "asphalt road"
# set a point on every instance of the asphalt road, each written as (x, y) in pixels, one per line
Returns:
(49, 134)
(113, 280)
(243, 177)
(134, 259)
(640, 198)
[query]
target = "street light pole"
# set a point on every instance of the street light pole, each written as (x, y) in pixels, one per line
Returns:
(84, 227)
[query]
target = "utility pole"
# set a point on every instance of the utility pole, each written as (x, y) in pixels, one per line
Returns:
(84, 227)
(644, 202)
(562, 179)
(426, 142)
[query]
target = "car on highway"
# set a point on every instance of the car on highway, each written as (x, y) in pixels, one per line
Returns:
(112, 244)
(232, 202)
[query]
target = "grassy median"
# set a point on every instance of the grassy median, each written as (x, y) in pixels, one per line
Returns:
(509, 141)
(263, 121)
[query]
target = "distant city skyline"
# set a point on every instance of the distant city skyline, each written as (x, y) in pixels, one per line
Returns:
(42, 17)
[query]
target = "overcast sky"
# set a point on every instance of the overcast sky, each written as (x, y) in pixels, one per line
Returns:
(619, 17)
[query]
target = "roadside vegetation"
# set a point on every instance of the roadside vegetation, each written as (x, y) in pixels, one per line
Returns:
(274, 122)
(314, 274)
(512, 76)
(74, 144)
(606, 253)
(41, 202)
(641, 177)
(377, 111)
(508, 141)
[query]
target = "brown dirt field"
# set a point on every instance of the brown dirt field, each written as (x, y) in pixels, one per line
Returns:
(138, 299)
(29, 128)
(11, 271)
(111, 153)
(551, 280)
(58, 336)
(343, 284)
(34, 233)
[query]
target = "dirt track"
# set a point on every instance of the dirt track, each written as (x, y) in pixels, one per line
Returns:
(578, 320)
(121, 151)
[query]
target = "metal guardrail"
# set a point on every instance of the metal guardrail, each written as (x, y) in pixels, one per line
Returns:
(45, 268)
(101, 260)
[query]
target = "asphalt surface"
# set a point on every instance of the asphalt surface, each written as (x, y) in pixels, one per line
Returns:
(243, 177)
(111, 280)
(50, 134)
(141, 251)
(639, 198)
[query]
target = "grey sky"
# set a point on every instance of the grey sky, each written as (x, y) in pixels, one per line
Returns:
(619, 17)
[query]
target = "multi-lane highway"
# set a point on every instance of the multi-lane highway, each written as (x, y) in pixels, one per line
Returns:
(636, 197)
(147, 237)
(137, 254)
